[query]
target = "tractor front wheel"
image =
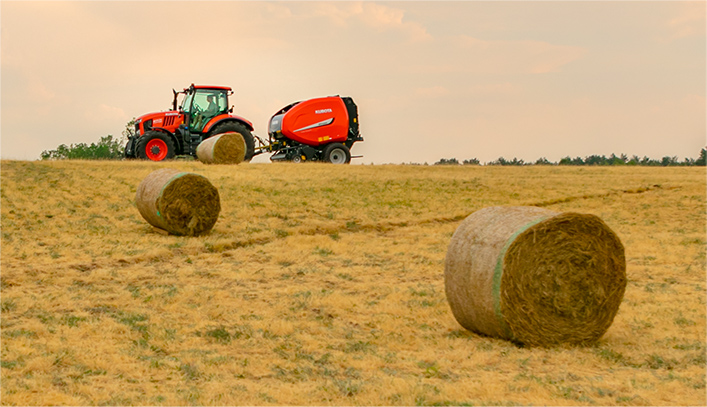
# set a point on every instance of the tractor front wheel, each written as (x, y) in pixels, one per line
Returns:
(337, 153)
(155, 146)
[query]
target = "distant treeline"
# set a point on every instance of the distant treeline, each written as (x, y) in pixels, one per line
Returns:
(613, 159)
(106, 149)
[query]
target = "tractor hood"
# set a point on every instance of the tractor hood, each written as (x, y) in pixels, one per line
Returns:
(156, 115)
(165, 119)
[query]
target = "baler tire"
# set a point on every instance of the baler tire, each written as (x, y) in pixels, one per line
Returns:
(159, 140)
(242, 130)
(337, 153)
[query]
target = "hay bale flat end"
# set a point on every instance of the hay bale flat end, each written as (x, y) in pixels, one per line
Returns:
(225, 148)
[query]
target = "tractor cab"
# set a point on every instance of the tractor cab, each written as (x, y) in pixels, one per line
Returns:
(201, 104)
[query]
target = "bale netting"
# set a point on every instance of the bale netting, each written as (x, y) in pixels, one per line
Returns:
(535, 276)
(225, 148)
(177, 202)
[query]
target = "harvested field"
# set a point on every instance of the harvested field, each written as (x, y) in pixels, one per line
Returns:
(320, 287)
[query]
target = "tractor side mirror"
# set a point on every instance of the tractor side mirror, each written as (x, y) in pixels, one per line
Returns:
(231, 109)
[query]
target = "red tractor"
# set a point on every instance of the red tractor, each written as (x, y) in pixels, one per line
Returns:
(204, 112)
(321, 129)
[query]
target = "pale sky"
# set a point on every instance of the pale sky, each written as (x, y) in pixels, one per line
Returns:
(432, 80)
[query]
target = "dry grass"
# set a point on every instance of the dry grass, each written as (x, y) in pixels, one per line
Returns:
(324, 285)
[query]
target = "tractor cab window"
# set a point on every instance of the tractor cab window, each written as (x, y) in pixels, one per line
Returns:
(222, 103)
(210, 103)
(186, 103)
(206, 105)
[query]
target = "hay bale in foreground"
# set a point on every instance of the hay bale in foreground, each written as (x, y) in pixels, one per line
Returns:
(225, 148)
(180, 203)
(535, 276)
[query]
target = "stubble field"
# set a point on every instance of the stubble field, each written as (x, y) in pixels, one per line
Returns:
(323, 284)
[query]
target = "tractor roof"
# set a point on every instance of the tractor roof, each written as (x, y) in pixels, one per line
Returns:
(211, 87)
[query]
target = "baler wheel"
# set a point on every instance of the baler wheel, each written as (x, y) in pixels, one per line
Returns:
(337, 153)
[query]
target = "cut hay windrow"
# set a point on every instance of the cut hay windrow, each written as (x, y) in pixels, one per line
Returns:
(535, 276)
(225, 148)
(177, 202)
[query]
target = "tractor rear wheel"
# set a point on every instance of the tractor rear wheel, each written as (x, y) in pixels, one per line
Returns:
(155, 146)
(337, 153)
(242, 130)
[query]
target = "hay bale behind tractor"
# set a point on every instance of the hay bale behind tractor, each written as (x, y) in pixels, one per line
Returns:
(225, 148)
(177, 202)
(535, 276)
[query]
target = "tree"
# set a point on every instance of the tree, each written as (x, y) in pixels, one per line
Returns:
(634, 160)
(614, 160)
(503, 161)
(572, 161)
(649, 161)
(471, 161)
(702, 160)
(447, 161)
(595, 160)
(668, 161)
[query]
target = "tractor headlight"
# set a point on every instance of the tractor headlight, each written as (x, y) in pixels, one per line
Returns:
(147, 125)
(275, 124)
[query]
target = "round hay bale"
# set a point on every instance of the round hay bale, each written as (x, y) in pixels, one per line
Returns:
(177, 202)
(224, 148)
(535, 276)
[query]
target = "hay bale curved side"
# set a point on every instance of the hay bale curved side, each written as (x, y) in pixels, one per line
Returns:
(180, 203)
(224, 148)
(535, 276)
(471, 260)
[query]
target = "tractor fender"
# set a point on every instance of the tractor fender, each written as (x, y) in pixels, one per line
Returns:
(162, 130)
(225, 118)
